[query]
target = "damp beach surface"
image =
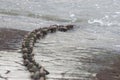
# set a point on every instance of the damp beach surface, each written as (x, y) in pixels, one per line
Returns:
(88, 52)
(10, 39)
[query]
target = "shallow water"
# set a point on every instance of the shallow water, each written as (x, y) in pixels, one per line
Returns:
(74, 56)
(78, 54)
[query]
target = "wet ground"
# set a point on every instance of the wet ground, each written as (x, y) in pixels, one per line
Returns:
(10, 39)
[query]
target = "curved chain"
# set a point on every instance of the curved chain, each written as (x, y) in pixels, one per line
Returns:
(37, 71)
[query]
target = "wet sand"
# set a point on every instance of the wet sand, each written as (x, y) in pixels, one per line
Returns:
(10, 39)
(112, 73)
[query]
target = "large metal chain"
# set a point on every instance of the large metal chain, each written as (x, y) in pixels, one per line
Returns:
(37, 71)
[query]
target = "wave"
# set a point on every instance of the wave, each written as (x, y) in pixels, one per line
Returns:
(46, 17)
(33, 15)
